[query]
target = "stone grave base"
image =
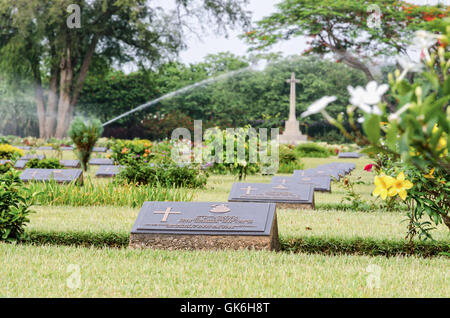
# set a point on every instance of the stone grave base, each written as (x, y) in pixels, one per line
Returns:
(207, 242)
(302, 206)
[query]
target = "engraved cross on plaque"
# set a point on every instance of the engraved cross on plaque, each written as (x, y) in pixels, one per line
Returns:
(249, 189)
(166, 213)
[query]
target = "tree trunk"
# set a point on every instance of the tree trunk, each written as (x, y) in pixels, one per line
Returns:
(39, 98)
(64, 95)
(50, 116)
(446, 220)
(40, 107)
(353, 62)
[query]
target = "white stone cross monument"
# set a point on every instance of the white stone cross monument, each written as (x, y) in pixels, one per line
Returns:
(292, 134)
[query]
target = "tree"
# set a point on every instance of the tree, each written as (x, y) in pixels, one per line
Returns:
(351, 30)
(257, 98)
(55, 42)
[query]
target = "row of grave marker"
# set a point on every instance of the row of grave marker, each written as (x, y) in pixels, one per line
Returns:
(66, 175)
(21, 162)
(248, 220)
(65, 148)
(296, 191)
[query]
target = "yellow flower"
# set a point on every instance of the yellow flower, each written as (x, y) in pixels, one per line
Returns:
(435, 129)
(399, 186)
(382, 183)
(430, 174)
(442, 143)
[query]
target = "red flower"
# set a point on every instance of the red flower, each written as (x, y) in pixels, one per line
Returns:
(368, 168)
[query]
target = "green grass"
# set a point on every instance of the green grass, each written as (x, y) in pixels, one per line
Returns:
(327, 232)
(97, 237)
(43, 272)
(96, 193)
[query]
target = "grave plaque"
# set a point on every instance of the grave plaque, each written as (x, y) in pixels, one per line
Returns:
(70, 163)
(23, 147)
(108, 171)
(45, 148)
(99, 149)
(347, 167)
(32, 156)
(353, 155)
(206, 225)
(299, 196)
(101, 162)
(66, 148)
(59, 175)
(321, 183)
(317, 172)
(2, 162)
(20, 164)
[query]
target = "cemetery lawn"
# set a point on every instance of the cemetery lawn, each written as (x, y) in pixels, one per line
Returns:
(312, 263)
(29, 271)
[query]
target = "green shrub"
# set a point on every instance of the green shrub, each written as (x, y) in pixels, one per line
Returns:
(169, 175)
(240, 167)
(9, 152)
(289, 160)
(4, 140)
(290, 167)
(312, 150)
(124, 151)
(15, 201)
(7, 166)
(44, 164)
(84, 135)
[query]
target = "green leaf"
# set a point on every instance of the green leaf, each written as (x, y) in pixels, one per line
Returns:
(391, 136)
(371, 127)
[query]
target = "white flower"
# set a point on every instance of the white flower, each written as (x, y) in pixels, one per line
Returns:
(408, 65)
(425, 39)
(318, 105)
(365, 98)
(376, 110)
(361, 120)
(396, 115)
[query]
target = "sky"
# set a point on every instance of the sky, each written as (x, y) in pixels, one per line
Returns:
(211, 43)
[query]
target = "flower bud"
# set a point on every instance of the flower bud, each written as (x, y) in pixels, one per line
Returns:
(390, 79)
(419, 94)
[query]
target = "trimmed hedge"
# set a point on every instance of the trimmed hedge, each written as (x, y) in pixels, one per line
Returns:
(309, 245)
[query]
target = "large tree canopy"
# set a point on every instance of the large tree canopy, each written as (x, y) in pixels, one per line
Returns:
(351, 30)
(39, 39)
(259, 98)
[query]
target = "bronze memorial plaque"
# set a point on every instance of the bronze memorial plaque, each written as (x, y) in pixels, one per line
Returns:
(320, 183)
(70, 163)
(333, 173)
(206, 225)
(101, 162)
(58, 175)
(108, 171)
(352, 155)
(20, 164)
(298, 196)
(32, 156)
